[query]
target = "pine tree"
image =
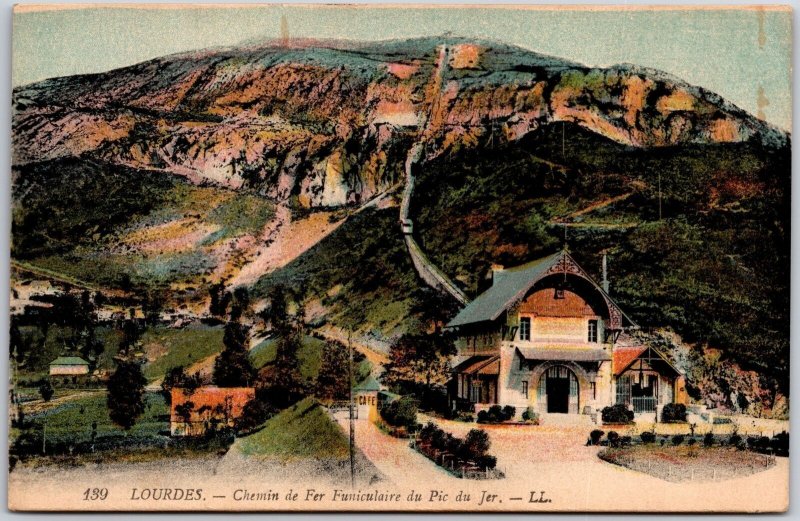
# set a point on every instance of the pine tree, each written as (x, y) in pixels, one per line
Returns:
(333, 379)
(125, 398)
(233, 368)
(287, 385)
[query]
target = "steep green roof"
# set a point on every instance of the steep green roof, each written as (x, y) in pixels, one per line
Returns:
(370, 384)
(511, 285)
(69, 360)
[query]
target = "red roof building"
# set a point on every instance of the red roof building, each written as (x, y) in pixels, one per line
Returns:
(194, 413)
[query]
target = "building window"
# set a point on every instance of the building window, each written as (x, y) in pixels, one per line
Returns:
(593, 331)
(525, 328)
(525, 389)
(594, 390)
(559, 293)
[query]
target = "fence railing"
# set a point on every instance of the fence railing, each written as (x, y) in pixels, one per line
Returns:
(643, 404)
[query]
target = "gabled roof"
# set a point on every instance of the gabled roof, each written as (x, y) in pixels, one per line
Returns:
(624, 357)
(511, 285)
(370, 384)
(479, 364)
(69, 360)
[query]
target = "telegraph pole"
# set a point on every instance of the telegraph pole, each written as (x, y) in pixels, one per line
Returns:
(659, 195)
(352, 419)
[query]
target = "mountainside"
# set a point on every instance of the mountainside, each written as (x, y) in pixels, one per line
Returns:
(327, 126)
(265, 164)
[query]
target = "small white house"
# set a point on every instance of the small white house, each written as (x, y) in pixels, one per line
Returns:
(69, 366)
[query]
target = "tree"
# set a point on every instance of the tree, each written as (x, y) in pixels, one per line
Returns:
(420, 359)
(177, 377)
(254, 413)
(131, 333)
(285, 384)
(276, 315)
(240, 304)
(333, 378)
(126, 393)
(46, 390)
(232, 367)
(220, 299)
(184, 410)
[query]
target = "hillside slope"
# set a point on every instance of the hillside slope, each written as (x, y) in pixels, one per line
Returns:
(181, 171)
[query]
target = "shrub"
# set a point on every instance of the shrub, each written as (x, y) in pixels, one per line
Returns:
(735, 440)
(618, 413)
(426, 433)
(708, 440)
(476, 444)
(401, 413)
(780, 444)
(673, 413)
(648, 437)
(254, 413)
(625, 441)
(613, 438)
(691, 442)
(595, 435)
(486, 462)
(529, 415)
(677, 439)
(495, 414)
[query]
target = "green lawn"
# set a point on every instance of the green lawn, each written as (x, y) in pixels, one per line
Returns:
(72, 421)
(301, 431)
(310, 355)
(183, 347)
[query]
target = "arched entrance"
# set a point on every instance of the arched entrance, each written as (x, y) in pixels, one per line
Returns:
(558, 390)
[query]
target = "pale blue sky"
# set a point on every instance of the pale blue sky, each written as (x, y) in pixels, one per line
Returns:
(732, 52)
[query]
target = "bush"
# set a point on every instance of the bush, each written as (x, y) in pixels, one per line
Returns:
(618, 413)
(529, 415)
(780, 444)
(426, 432)
(735, 440)
(673, 413)
(677, 439)
(495, 413)
(648, 437)
(625, 441)
(254, 413)
(613, 438)
(594, 436)
(691, 442)
(486, 462)
(708, 440)
(476, 444)
(401, 413)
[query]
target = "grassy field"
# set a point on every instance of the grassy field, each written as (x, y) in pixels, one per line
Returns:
(310, 356)
(174, 347)
(301, 431)
(72, 421)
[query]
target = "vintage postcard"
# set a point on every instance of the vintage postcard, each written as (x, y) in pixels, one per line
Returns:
(400, 258)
